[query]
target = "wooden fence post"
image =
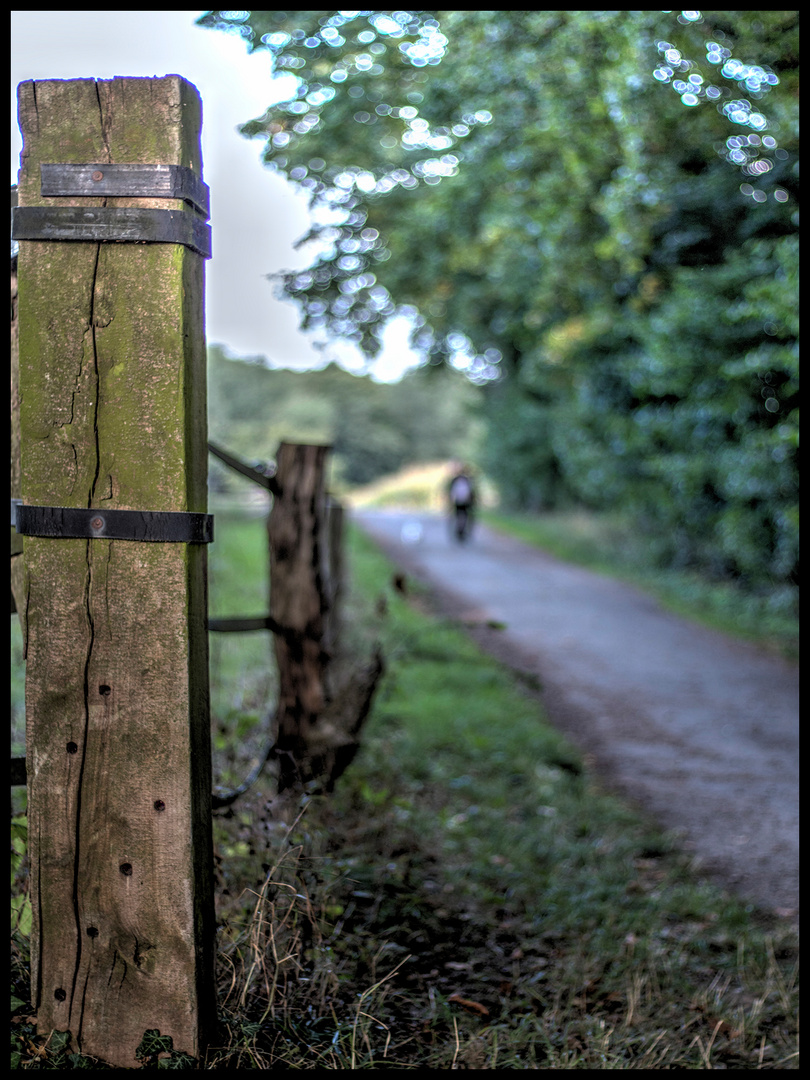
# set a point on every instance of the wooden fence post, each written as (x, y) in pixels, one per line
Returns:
(333, 571)
(17, 594)
(320, 712)
(298, 605)
(113, 417)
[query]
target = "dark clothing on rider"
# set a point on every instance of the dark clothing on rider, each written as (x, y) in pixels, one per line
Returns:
(461, 495)
(461, 491)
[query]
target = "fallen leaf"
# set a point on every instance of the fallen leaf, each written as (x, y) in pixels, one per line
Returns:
(471, 1006)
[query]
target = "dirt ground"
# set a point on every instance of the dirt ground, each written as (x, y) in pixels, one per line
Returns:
(694, 728)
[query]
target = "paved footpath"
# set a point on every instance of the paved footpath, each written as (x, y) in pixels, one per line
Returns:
(700, 730)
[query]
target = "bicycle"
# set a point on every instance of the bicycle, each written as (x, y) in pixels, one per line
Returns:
(462, 522)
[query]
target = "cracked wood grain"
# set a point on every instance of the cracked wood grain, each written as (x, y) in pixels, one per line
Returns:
(112, 415)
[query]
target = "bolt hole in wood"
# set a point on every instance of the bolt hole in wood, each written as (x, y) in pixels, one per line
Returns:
(72, 748)
(160, 805)
(105, 691)
(92, 931)
(59, 994)
(126, 869)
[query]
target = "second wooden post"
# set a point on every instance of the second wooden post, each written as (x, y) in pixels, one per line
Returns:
(299, 605)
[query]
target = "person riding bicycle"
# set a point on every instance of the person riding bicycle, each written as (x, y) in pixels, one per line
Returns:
(461, 494)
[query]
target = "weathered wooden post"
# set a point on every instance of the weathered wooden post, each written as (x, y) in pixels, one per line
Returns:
(333, 571)
(298, 606)
(17, 593)
(113, 419)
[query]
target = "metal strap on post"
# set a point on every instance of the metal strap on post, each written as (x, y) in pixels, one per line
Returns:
(157, 526)
(127, 224)
(139, 181)
(118, 224)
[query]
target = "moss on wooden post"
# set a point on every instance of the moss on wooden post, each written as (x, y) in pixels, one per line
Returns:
(113, 415)
(17, 592)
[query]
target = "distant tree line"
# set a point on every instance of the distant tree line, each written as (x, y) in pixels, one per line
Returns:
(596, 212)
(374, 428)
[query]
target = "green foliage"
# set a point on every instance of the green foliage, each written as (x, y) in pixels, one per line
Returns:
(593, 212)
(242, 668)
(530, 215)
(703, 452)
(521, 425)
(374, 428)
(156, 1051)
(20, 902)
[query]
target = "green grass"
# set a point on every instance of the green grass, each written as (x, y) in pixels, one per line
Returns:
(467, 856)
(585, 933)
(603, 542)
(17, 690)
(241, 666)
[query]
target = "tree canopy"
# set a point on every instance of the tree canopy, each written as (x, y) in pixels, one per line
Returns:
(593, 211)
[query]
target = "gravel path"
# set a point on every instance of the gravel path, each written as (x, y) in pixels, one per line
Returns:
(697, 729)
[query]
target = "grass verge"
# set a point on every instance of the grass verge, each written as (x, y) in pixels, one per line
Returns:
(469, 897)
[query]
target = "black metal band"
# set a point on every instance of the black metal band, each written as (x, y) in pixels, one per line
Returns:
(127, 224)
(241, 625)
(61, 522)
(139, 181)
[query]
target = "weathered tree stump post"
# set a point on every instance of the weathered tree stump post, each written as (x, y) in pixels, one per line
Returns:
(334, 571)
(298, 605)
(113, 418)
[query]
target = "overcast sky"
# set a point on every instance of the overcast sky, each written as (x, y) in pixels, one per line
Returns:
(256, 216)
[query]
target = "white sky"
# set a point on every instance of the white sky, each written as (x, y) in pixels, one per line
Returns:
(256, 216)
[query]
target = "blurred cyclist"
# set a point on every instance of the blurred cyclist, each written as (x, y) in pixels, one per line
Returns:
(461, 495)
